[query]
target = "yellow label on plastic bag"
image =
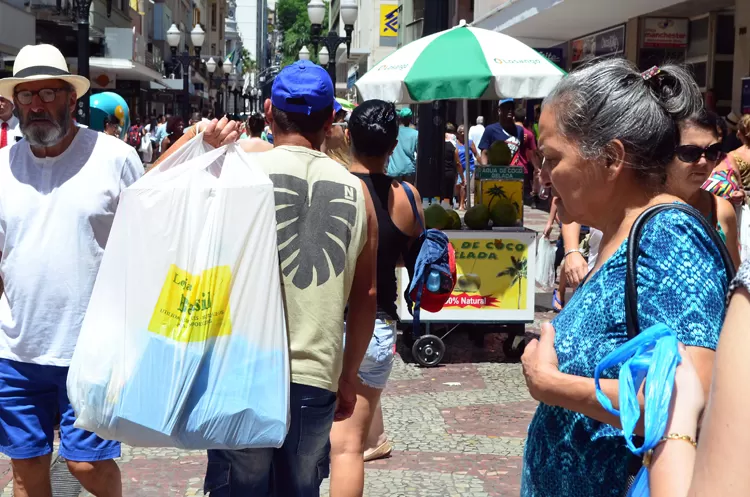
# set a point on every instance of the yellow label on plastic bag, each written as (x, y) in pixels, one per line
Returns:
(193, 308)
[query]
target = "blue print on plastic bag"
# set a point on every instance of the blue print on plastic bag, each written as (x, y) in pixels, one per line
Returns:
(653, 354)
(198, 398)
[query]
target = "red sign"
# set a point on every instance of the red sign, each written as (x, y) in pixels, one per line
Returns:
(462, 300)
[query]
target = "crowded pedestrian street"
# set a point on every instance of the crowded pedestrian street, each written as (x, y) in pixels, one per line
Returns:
(374, 248)
(457, 430)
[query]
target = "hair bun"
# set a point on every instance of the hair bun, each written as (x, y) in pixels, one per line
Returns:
(675, 89)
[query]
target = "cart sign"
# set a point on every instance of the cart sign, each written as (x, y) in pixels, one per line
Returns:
(665, 33)
(493, 283)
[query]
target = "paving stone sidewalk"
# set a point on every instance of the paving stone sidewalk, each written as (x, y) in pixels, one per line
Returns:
(458, 430)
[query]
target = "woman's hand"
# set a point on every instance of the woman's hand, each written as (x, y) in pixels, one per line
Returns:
(688, 398)
(540, 364)
(737, 197)
(576, 268)
(547, 231)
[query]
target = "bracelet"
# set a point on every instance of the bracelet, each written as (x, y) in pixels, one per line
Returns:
(677, 436)
(571, 252)
(672, 436)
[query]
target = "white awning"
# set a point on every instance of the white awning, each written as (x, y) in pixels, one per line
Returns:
(125, 69)
(545, 23)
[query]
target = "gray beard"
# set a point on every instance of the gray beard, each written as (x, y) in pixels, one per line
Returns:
(38, 136)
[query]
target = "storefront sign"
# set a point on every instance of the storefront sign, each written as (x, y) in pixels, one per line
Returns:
(608, 42)
(665, 33)
(103, 81)
(389, 15)
(555, 55)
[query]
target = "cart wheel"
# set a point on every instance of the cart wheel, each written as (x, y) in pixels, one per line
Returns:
(428, 350)
(513, 346)
(407, 336)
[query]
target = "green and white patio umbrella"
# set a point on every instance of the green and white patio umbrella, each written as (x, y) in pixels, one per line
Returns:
(461, 63)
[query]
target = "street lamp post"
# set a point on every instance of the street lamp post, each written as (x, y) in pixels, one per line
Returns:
(197, 36)
(227, 68)
(81, 10)
(316, 11)
(211, 68)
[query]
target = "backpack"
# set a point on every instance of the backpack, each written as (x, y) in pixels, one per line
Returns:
(134, 136)
(432, 277)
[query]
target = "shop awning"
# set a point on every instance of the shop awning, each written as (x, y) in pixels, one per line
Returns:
(545, 23)
(125, 69)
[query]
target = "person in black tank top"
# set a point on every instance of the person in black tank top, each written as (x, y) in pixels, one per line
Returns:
(373, 129)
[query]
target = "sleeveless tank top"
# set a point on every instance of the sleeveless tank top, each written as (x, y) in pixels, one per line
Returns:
(392, 242)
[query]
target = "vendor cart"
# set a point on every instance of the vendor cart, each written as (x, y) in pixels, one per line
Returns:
(493, 265)
(492, 288)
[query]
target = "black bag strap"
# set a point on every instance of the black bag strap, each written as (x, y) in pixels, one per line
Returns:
(413, 202)
(631, 290)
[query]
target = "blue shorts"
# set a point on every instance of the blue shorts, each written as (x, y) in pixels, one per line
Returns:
(30, 397)
(378, 361)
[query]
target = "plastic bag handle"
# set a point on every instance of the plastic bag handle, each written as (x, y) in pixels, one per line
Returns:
(631, 289)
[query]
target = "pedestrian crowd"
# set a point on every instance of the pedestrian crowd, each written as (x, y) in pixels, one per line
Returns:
(612, 142)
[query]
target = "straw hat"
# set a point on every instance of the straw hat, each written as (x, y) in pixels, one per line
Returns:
(732, 120)
(41, 62)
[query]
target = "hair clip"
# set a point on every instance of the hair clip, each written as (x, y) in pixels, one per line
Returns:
(646, 75)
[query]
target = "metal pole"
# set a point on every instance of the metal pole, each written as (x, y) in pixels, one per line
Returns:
(82, 8)
(467, 151)
(186, 86)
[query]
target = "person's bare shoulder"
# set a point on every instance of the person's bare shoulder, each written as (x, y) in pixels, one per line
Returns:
(254, 145)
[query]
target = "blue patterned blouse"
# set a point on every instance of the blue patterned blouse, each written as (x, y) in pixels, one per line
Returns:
(682, 283)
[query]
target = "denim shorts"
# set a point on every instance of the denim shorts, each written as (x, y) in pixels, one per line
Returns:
(378, 361)
(30, 397)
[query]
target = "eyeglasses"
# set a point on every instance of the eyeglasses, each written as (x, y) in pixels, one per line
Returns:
(46, 95)
(693, 153)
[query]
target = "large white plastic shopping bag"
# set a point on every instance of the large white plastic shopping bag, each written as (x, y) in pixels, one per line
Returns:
(184, 342)
(545, 263)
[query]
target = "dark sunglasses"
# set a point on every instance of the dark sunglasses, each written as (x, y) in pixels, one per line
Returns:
(46, 95)
(693, 153)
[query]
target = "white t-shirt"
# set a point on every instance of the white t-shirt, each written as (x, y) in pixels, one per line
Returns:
(55, 218)
(475, 133)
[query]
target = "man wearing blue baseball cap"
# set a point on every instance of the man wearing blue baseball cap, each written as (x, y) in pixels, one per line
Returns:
(327, 237)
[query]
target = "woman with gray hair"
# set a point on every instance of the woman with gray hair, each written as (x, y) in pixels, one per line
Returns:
(607, 134)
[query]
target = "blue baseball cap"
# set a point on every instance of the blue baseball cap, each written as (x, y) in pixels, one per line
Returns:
(506, 101)
(302, 80)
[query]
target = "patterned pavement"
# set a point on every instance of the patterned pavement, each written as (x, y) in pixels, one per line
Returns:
(458, 430)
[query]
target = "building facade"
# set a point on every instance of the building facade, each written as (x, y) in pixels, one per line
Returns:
(709, 35)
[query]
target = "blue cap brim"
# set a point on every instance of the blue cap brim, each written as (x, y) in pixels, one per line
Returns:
(507, 101)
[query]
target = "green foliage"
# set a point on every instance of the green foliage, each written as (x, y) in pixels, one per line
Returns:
(247, 63)
(293, 22)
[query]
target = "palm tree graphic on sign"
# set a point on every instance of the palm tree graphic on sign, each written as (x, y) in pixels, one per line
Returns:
(495, 192)
(517, 273)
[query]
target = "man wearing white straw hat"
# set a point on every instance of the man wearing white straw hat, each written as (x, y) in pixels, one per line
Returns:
(59, 188)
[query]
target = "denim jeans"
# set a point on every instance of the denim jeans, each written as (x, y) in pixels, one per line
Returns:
(295, 470)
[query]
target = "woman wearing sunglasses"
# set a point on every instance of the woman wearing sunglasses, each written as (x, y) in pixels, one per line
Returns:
(695, 158)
